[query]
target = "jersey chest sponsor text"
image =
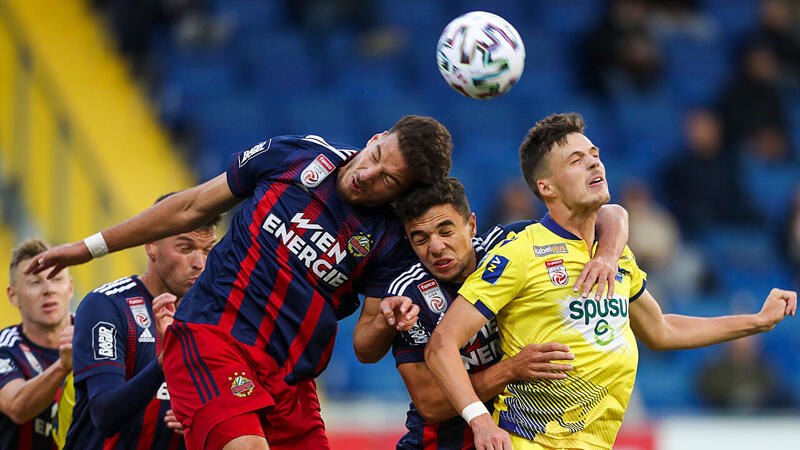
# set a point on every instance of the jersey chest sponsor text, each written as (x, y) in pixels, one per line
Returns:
(483, 348)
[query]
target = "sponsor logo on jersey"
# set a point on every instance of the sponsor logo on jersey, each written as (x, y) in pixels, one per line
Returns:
(557, 272)
(417, 335)
(595, 316)
(241, 386)
(494, 269)
(146, 336)
(103, 341)
(6, 366)
(618, 277)
(359, 245)
(433, 296)
(552, 249)
(162, 393)
(247, 155)
(320, 168)
(139, 311)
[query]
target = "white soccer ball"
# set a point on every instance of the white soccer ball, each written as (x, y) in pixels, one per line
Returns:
(480, 55)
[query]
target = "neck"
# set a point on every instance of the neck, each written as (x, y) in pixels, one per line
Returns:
(471, 266)
(44, 335)
(581, 223)
(152, 282)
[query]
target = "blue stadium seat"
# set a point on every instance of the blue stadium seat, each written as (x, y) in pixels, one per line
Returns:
(771, 187)
(251, 15)
(734, 17)
(696, 69)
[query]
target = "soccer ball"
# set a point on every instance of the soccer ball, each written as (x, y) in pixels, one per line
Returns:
(480, 55)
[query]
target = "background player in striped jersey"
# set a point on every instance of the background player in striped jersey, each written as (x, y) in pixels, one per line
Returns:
(524, 284)
(441, 229)
(314, 230)
(120, 393)
(36, 354)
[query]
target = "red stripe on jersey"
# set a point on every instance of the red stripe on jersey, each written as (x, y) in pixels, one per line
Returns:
(276, 298)
(430, 436)
(174, 441)
(326, 354)
(26, 434)
(304, 333)
(130, 347)
(149, 424)
(253, 254)
(111, 443)
(469, 439)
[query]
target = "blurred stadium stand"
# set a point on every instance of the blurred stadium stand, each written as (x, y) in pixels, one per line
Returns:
(271, 73)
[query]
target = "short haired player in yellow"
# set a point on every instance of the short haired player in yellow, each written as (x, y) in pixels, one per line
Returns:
(524, 283)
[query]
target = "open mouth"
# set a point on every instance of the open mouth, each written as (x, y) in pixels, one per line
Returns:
(354, 184)
(596, 181)
(50, 306)
(444, 264)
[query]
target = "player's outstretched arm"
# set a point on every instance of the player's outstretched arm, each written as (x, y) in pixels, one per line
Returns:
(534, 361)
(674, 332)
(176, 214)
(461, 321)
(22, 400)
(612, 236)
(376, 326)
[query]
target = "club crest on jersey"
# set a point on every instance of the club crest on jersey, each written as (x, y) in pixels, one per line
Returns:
(139, 311)
(6, 366)
(247, 155)
(241, 386)
(433, 296)
(359, 245)
(315, 172)
(557, 272)
(494, 269)
(552, 249)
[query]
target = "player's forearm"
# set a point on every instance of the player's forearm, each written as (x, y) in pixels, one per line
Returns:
(612, 230)
(487, 384)
(36, 394)
(117, 404)
(372, 339)
(444, 362)
(684, 332)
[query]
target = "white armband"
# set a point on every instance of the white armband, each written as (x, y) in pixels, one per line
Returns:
(473, 410)
(96, 245)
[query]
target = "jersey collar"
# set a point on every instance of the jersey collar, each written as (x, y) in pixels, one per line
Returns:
(557, 229)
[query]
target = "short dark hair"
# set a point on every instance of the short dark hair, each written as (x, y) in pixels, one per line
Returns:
(210, 223)
(425, 145)
(447, 191)
(547, 132)
(26, 249)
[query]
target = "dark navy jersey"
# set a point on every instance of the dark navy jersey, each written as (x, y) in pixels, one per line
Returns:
(22, 359)
(296, 255)
(481, 351)
(115, 334)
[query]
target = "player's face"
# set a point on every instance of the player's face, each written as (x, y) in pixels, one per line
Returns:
(42, 302)
(179, 260)
(377, 175)
(578, 176)
(442, 239)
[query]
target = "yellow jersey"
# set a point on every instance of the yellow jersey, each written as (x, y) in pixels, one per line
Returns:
(525, 282)
(66, 403)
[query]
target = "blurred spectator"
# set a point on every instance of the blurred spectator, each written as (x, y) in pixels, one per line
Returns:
(780, 29)
(620, 54)
(515, 202)
(742, 380)
(791, 235)
(702, 185)
(674, 18)
(751, 105)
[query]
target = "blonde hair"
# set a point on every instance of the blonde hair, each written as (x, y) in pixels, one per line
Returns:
(25, 250)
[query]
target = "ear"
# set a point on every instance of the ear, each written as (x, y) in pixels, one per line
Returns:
(546, 187)
(376, 137)
(152, 250)
(472, 225)
(12, 296)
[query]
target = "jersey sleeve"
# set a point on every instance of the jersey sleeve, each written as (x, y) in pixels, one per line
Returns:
(498, 233)
(386, 266)
(499, 278)
(262, 160)
(98, 344)
(9, 370)
(638, 276)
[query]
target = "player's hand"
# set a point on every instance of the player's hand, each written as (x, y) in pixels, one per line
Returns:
(600, 271)
(534, 361)
(399, 312)
(65, 347)
(58, 258)
(172, 422)
(164, 311)
(779, 304)
(487, 435)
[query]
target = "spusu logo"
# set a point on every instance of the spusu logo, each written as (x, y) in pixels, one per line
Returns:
(599, 317)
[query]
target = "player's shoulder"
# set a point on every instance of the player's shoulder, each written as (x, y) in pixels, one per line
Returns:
(405, 283)
(9, 337)
(313, 145)
(498, 233)
(110, 293)
(627, 260)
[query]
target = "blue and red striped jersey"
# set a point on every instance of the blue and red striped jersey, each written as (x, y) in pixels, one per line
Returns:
(115, 334)
(434, 297)
(22, 359)
(296, 255)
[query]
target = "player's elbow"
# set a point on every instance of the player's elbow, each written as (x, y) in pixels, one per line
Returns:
(16, 416)
(435, 346)
(366, 357)
(432, 411)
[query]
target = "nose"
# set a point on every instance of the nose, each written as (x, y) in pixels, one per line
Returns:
(368, 174)
(199, 259)
(436, 245)
(594, 162)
